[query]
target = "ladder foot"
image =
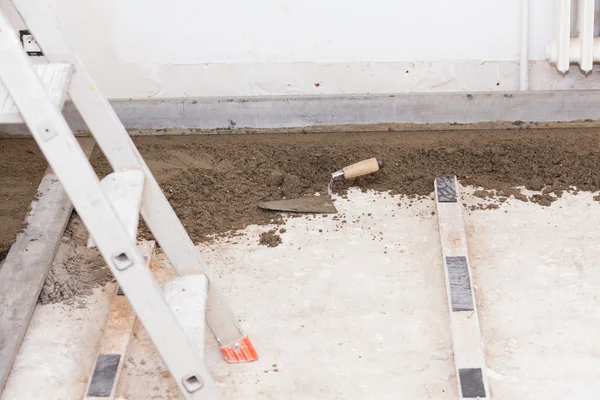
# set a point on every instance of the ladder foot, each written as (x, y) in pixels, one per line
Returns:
(240, 351)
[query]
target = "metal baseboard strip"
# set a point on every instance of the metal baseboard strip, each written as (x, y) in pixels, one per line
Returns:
(238, 114)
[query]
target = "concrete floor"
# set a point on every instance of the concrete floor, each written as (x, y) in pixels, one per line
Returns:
(357, 309)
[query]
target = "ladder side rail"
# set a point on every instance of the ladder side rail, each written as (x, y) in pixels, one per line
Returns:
(69, 163)
(121, 153)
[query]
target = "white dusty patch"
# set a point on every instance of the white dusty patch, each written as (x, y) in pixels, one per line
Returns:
(537, 275)
(59, 349)
(357, 309)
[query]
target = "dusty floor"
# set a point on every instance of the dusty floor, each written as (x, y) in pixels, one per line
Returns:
(215, 181)
(360, 296)
(22, 168)
(358, 310)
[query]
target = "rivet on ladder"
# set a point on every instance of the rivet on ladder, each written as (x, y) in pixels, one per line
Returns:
(192, 383)
(47, 133)
(121, 261)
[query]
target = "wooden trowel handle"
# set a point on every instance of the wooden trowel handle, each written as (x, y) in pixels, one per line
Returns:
(360, 168)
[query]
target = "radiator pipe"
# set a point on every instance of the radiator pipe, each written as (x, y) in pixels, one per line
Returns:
(524, 63)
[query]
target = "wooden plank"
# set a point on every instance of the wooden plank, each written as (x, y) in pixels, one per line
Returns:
(469, 357)
(28, 261)
(115, 341)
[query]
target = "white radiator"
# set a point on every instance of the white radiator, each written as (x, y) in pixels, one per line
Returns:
(583, 49)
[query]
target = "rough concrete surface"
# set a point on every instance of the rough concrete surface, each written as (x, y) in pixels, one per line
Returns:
(59, 349)
(353, 306)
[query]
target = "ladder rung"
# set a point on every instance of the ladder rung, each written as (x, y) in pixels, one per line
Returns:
(124, 190)
(186, 295)
(55, 78)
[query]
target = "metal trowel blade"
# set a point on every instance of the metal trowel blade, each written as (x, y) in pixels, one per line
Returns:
(314, 204)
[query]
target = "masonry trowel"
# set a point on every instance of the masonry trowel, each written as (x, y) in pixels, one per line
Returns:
(324, 204)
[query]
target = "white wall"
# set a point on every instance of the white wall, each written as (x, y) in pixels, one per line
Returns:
(161, 48)
(276, 31)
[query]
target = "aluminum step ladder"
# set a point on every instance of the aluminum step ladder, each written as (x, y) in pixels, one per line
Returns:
(110, 210)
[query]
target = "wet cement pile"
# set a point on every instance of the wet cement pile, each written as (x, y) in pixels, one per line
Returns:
(270, 238)
(76, 269)
(215, 181)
